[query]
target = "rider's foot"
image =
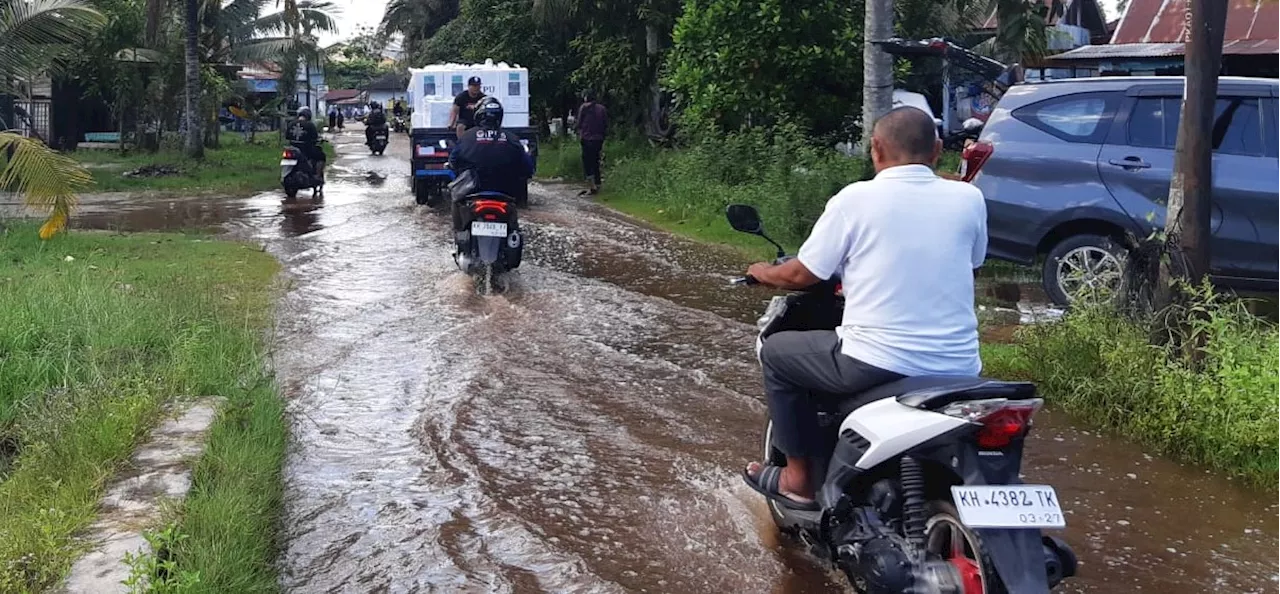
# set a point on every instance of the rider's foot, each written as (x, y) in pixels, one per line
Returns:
(793, 483)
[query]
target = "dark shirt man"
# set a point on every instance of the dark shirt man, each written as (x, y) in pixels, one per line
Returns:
(593, 122)
(463, 116)
(500, 162)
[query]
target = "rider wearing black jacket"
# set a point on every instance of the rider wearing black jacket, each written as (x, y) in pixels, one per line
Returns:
(303, 134)
(497, 157)
(377, 119)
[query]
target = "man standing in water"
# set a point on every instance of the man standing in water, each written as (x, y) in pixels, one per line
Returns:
(905, 245)
(463, 115)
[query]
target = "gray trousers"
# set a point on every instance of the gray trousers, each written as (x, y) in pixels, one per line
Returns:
(800, 370)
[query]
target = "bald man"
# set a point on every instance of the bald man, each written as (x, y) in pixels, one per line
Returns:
(905, 246)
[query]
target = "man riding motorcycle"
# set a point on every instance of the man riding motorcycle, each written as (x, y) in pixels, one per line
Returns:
(496, 157)
(376, 120)
(303, 134)
(905, 246)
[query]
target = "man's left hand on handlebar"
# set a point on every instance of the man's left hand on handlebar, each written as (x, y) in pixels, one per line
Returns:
(791, 274)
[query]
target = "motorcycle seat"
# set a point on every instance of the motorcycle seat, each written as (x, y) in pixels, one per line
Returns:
(931, 392)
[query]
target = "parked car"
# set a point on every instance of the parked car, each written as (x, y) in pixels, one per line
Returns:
(1074, 170)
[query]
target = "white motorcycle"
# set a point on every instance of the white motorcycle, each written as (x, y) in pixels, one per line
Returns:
(921, 491)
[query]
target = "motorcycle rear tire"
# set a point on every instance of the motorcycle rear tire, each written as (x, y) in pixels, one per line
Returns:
(291, 193)
(945, 512)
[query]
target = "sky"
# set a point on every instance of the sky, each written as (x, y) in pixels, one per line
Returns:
(360, 13)
(355, 14)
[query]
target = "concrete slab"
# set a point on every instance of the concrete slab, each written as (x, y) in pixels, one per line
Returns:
(159, 471)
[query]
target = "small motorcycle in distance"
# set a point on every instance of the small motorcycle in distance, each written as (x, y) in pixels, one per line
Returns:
(297, 172)
(378, 140)
(921, 491)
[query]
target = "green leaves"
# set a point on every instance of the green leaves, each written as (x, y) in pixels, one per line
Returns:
(37, 33)
(736, 64)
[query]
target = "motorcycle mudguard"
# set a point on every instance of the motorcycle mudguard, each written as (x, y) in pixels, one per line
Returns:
(488, 248)
(1018, 555)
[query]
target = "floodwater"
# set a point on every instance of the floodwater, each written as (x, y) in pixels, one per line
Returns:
(584, 431)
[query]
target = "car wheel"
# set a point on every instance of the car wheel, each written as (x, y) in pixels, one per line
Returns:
(1083, 265)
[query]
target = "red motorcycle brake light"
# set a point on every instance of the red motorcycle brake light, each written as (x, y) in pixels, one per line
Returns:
(1002, 420)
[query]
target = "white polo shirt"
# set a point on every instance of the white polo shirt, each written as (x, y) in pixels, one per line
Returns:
(905, 245)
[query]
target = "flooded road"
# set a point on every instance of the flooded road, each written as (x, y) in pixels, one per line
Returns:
(584, 431)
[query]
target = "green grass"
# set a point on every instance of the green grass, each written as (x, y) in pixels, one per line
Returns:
(97, 333)
(237, 167)
(1219, 412)
(685, 191)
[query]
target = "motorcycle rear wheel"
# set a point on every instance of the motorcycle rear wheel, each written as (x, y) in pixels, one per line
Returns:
(947, 537)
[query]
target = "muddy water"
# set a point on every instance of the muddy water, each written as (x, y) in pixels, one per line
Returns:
(583, 432)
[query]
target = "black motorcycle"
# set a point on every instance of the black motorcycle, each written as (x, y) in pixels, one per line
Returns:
(297, 172)
(921, 491)
(487, 236)
(378, 139)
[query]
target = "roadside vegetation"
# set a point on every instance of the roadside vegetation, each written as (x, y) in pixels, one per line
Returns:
(98, 333)
(1214, 406)
(236, 166)
(686, 190)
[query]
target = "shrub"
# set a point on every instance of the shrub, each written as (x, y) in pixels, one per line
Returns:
(1219, 411)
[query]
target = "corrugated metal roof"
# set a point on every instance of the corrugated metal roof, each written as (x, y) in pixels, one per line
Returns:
(1127, 50)
(1164, 50)
(1163, 21)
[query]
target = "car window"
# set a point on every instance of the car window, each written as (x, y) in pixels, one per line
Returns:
(1270, 129)
(1147, 123)
(1237, 127)
(1081, 117)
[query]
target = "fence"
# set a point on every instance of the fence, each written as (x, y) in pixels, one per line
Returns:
(32, 118)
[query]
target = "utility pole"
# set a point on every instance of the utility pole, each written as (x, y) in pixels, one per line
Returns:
(1187, 223)
(877, 68)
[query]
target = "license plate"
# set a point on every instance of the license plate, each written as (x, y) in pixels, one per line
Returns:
(480, 229)
(288, 163)
(380, 137)
(1008, 506)
(426, 151)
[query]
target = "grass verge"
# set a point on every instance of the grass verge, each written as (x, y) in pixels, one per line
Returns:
(98, 332)
(1218, 412)
(686, 191)
(236, 167)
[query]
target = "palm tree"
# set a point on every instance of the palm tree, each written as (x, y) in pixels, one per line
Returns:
(33, 35)
(194, 140)
(417, 20)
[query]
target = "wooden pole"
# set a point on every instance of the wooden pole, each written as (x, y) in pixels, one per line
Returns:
(1191, 189)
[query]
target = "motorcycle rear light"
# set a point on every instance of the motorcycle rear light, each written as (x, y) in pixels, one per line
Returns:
(1002, 420)
(480, 206)
(975, 156)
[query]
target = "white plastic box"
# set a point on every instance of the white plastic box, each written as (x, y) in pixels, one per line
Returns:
(432, 89)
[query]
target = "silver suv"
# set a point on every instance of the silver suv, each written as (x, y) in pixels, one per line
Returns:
(1073, 170)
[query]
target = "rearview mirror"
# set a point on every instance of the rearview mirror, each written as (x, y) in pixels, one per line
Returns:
(744, 218)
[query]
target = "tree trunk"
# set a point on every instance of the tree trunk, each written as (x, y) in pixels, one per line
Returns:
(657, 121)
(877, 68)
(1187, 225)
(194, 139)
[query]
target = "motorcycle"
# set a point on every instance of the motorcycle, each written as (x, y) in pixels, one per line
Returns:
(398, 125)
(490, 242)
(921, 491)
(297, 172)
(378, 140)
(968, 133)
